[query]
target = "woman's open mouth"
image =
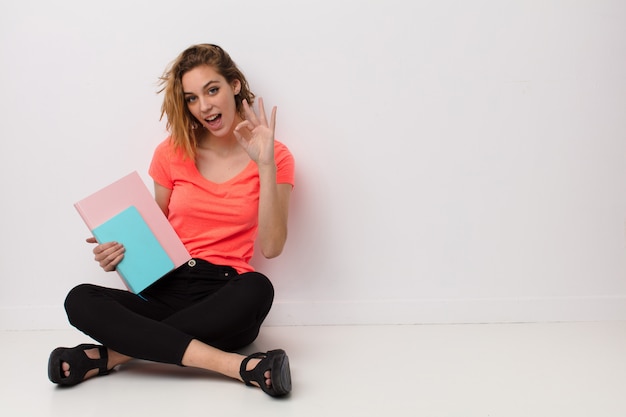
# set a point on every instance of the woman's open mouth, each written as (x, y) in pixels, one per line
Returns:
(213, 121)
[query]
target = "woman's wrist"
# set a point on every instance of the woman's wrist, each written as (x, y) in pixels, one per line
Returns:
(266, 168)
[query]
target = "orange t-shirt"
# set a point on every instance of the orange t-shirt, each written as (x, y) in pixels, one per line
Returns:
(216, 222)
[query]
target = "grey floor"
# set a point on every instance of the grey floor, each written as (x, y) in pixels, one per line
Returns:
(559, 369)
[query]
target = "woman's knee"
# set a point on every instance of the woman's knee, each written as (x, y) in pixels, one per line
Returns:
(77, 301)
(260, 285)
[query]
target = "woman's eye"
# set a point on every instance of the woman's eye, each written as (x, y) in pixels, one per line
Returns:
(213, 91)
(190, 99)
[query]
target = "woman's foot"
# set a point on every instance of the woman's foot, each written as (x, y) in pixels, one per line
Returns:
(70, 366)
(270, 371)
(94, 354)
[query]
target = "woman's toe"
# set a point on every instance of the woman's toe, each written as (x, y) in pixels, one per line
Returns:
(66, 369)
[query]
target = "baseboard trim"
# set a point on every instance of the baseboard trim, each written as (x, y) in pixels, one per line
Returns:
(385, 312)
(449, 311)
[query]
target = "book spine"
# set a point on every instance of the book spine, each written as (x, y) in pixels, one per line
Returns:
(125, 281)
(84, 216)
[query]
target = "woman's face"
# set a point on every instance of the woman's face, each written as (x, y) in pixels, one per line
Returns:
(211, 99)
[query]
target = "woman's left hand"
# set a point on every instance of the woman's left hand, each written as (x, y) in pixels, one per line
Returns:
(256, 135)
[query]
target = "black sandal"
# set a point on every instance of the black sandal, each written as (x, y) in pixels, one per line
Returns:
(79, 363)
(275, 361)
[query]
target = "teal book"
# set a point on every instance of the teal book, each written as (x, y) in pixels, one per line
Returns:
(145, 260)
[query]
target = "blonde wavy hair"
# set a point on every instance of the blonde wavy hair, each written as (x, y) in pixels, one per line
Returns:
(182, 125)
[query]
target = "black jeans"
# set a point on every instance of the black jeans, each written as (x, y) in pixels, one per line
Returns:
(198, 300)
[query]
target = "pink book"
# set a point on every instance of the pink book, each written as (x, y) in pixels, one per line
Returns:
(130, 190)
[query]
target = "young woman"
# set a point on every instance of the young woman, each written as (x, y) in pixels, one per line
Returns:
(224, 184)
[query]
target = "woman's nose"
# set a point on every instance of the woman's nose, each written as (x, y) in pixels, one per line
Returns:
(205, 104)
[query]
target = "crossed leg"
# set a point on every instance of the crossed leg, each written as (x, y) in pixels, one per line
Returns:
(197, 355)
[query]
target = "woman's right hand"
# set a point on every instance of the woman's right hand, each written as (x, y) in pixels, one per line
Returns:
(108, 255)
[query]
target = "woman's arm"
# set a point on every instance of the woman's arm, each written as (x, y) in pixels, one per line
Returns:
(273, 212)
(162, 196)
(256, 135)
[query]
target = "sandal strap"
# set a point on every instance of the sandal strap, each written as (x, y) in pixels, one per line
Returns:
(252, 375)
(103, 362)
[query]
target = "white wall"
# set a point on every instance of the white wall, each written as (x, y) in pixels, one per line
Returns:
(457, 161)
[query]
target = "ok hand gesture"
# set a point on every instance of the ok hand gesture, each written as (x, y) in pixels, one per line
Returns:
(256, 135)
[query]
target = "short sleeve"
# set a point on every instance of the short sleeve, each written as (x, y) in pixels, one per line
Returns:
(160, 168)
(285, 164)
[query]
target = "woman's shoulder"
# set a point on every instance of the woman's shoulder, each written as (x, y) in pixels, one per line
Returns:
(166, 149)
(285, 163)
(281, 149)
(165, 145)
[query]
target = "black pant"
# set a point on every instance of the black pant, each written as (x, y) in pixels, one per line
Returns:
(198, 300)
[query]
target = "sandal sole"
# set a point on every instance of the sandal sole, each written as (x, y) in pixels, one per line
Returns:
(281, 374)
